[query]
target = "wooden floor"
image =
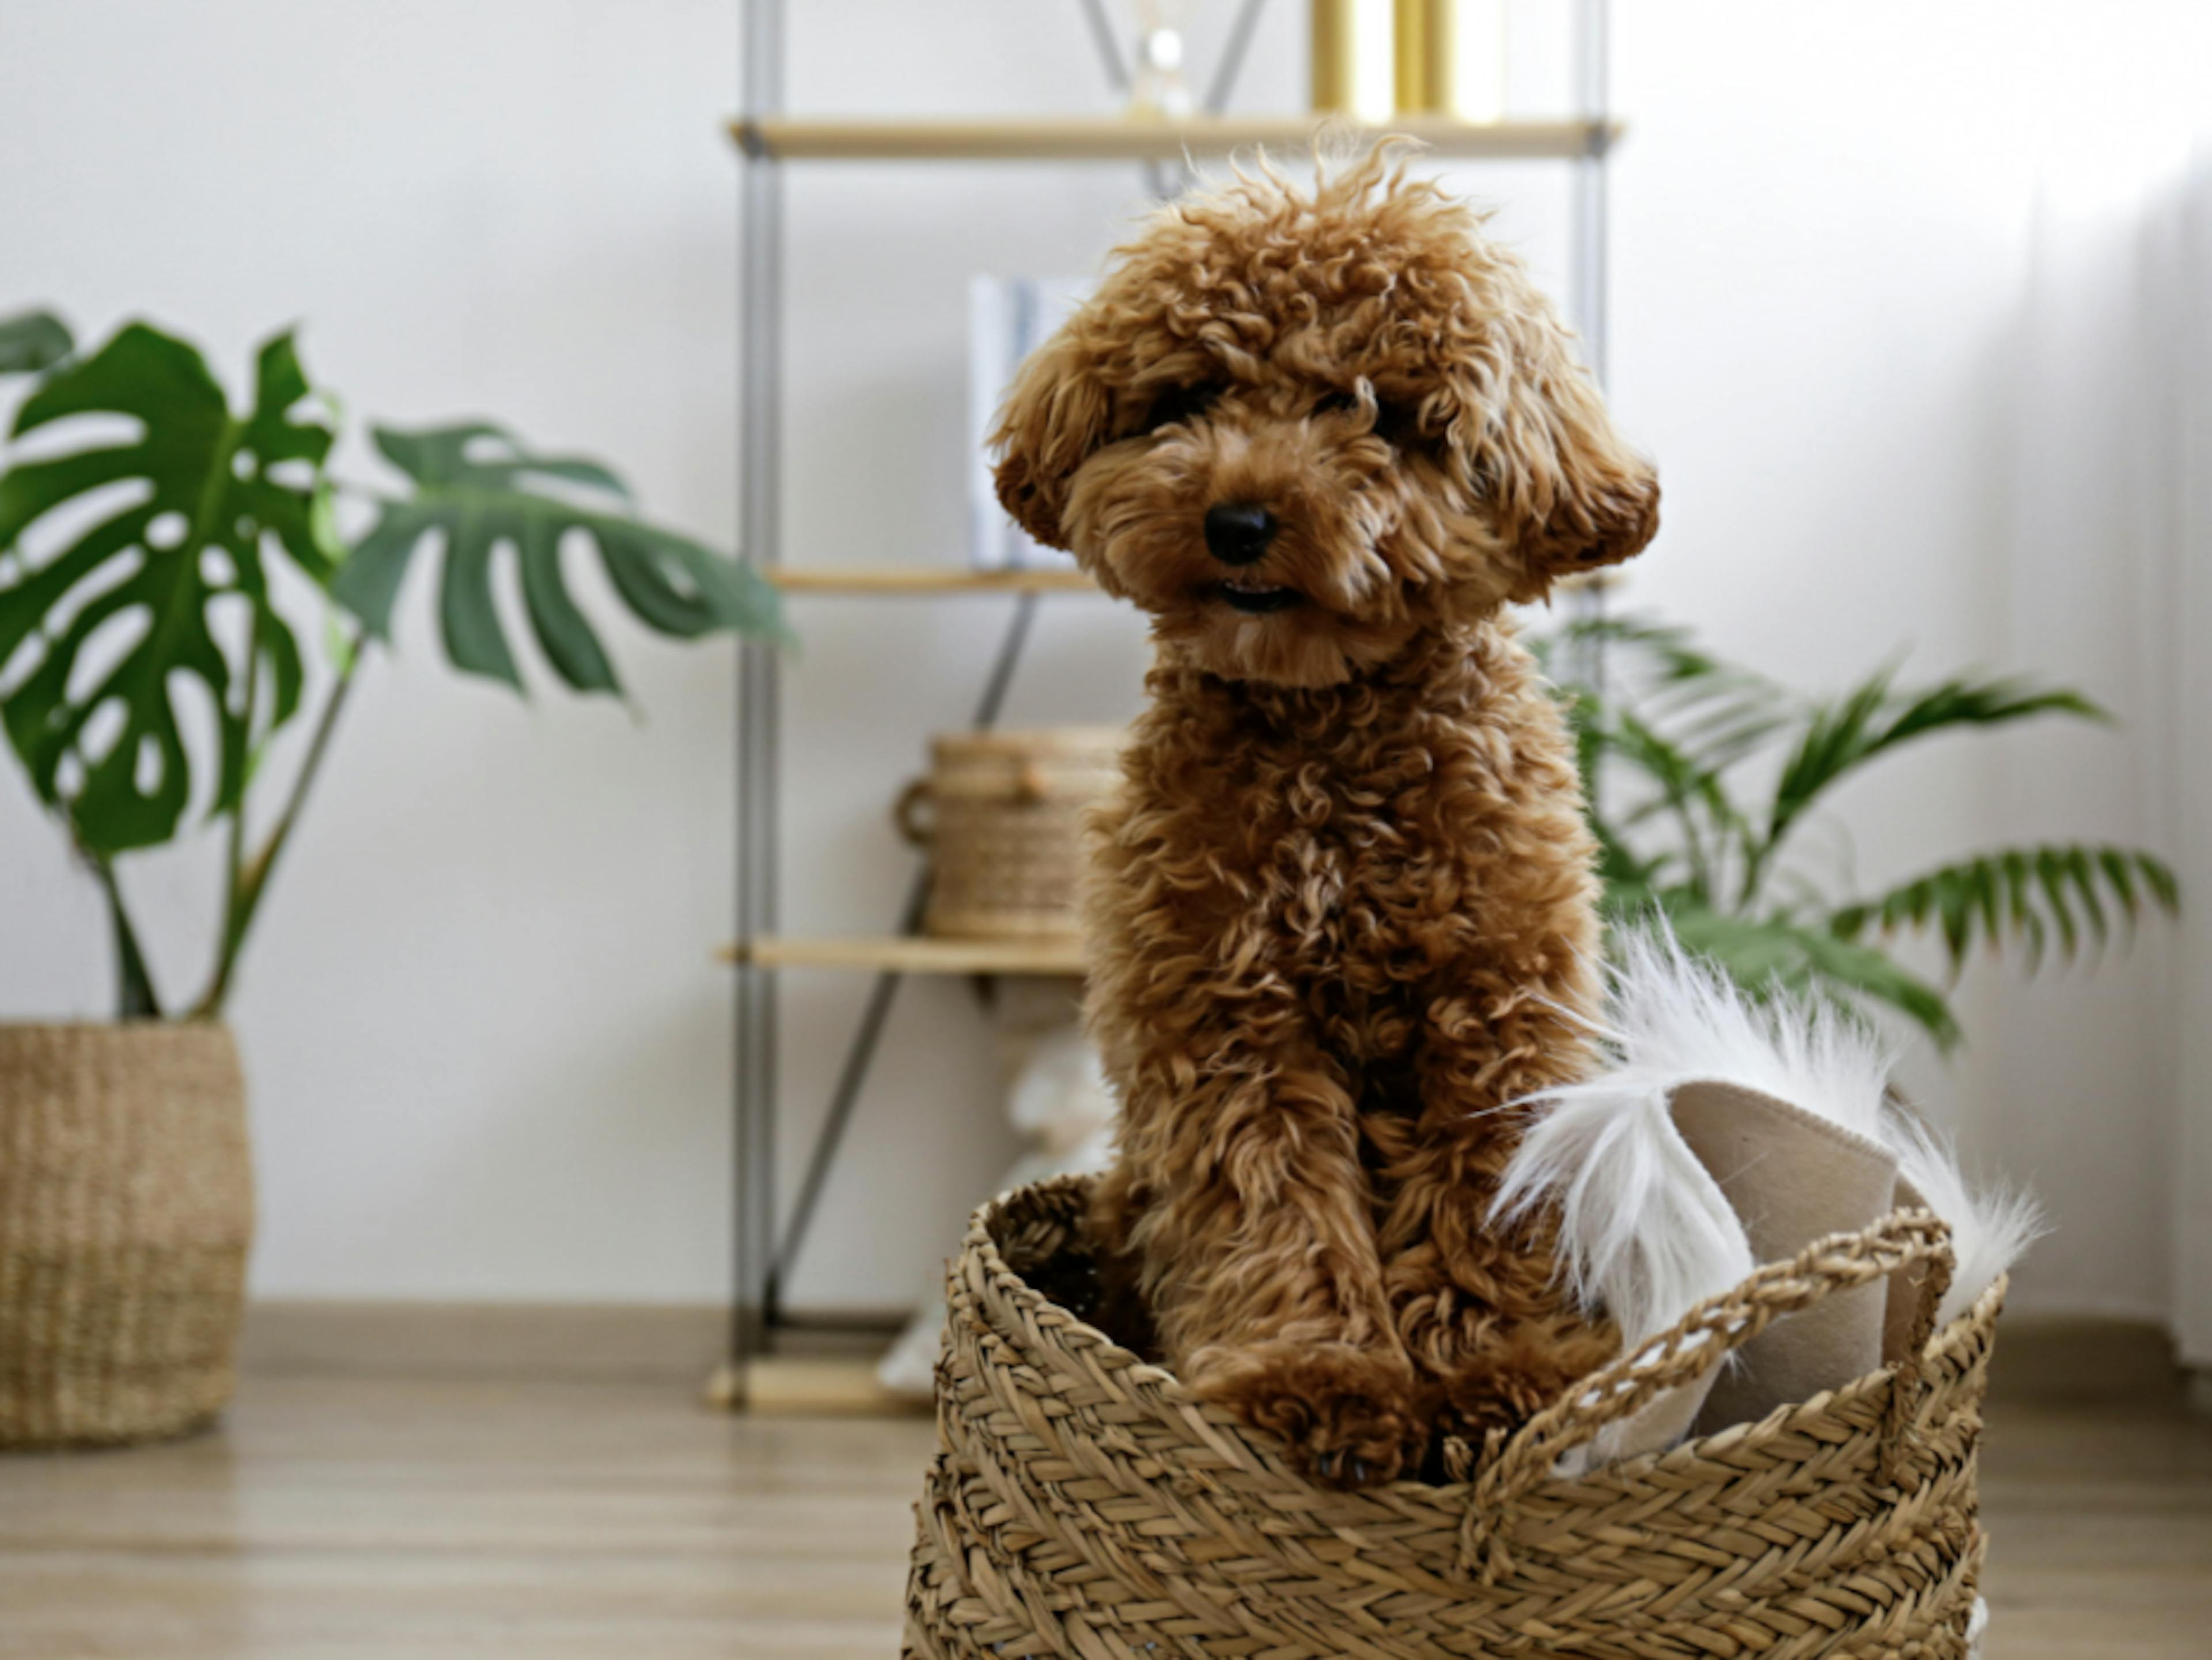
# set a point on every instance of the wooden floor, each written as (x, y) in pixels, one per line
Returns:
(400, 1518)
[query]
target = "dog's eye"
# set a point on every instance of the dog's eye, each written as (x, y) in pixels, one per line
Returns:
(1398, 423)
(1180, 404)
(1335, 402)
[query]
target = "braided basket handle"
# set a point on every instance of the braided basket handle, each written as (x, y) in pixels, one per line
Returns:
(909, 812)
(1698, 1341)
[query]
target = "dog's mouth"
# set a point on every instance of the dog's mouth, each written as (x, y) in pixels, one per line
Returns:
(1255, 598)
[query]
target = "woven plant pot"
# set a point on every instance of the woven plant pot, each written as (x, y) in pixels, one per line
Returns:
(1084, 1504)
(1001, 813)
(126, 1205)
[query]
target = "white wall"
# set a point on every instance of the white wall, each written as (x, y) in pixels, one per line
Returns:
(1882, 315)
(490, 1058)
(487, 1051)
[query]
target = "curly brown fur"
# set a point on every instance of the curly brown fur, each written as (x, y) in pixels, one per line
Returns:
(1343, 911)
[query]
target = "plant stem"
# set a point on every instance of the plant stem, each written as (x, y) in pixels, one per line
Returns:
(253, 880)
(135, 998)
(1693, 845)
(1757, 851)
(234, 849)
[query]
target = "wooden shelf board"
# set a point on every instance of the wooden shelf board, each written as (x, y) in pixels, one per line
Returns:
(1120, 139)
(924, 579)
(912, 955)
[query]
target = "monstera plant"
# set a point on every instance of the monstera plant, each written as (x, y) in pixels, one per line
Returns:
(1705, 776)
(158, 546)
(169, 562)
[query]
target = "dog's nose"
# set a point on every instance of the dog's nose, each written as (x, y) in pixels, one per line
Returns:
(1238, 532)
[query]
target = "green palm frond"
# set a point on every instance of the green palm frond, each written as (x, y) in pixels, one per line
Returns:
(1671, 724)
(1873, 720)
(1705, 818)
(1618, 864)
(1765, 954)
(2021, 896)
(1669, 647)
(1711, 712)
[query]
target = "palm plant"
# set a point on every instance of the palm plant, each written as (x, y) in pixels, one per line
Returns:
(1703, 775)
(156, 546)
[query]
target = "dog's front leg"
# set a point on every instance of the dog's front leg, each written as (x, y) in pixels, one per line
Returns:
(1481, 1309)
(1245, 1205)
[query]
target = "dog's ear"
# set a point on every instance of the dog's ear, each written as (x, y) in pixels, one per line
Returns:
(1057, 413)
(1569, 492)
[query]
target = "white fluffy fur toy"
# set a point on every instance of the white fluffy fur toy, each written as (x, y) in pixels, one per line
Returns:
(1669, 1190)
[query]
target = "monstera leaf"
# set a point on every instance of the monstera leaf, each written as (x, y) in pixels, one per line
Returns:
(479, 490)
(99, 637)
(31, 340)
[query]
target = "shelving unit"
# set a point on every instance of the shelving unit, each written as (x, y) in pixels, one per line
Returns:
(911, 954)
(768, 139)
(1120, 139)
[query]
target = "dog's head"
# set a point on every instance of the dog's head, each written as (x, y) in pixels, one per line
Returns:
(1300, 429)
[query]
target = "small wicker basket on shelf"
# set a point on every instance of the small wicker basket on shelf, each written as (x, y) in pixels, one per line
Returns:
(1001, 813)
(1084, 1503)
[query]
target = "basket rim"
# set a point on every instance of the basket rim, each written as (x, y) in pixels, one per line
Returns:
(133, 1026)
(1075, 738)
(1138, 1373)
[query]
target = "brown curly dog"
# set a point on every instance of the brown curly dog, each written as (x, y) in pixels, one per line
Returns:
(1343, 911)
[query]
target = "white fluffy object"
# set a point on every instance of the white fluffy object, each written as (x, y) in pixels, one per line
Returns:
(1673, 1018)
(1645, 1232)
(1991, 1226)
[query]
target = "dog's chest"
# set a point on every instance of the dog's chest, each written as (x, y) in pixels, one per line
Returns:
(1353, 882)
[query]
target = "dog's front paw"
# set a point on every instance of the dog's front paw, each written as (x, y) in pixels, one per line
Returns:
(1518, 1374)
(1345, 1413)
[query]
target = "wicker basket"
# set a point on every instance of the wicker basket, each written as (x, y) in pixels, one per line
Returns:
(126, 1205)
(1001, 813)
(1083, 1504)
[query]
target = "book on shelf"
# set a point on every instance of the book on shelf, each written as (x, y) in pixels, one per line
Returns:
(1008, 318)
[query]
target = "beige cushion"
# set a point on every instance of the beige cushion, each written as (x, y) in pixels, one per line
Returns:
(1793, 1177)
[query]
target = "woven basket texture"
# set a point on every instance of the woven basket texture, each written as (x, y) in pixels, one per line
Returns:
(1001, 813)
(126, 1206)
(1083, 1505)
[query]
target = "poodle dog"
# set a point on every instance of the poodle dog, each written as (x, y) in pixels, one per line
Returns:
(1342, 912)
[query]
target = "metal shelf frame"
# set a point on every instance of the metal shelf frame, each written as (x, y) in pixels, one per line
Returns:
(767, 140)
(1119, 138)
(908, 953)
